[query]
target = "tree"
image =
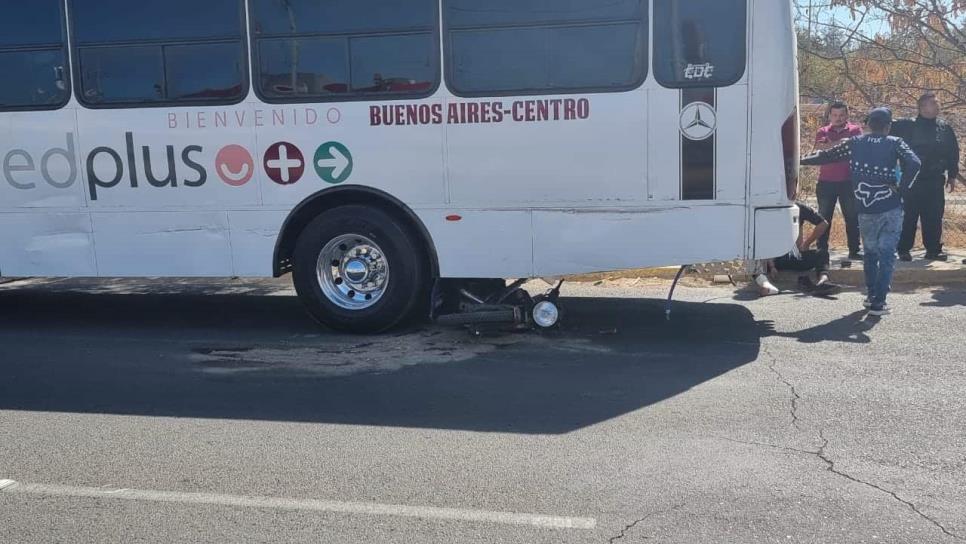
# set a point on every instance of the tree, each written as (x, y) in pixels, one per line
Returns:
(922, 48)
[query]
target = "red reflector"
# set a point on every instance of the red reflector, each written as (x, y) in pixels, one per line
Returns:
(454, 217)
(791, 136)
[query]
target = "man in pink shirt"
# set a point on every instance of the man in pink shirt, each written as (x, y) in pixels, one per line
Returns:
(834, 180)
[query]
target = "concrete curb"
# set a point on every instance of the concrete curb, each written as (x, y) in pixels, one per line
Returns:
(915, 273)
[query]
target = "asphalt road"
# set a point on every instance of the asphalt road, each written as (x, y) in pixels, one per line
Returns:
(216, 412)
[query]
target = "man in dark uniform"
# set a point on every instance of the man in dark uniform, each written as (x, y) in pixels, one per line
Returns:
(934, 142)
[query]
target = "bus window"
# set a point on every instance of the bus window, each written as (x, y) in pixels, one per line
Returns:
(123, 74)
(344, 49)
(32, 56)
(154, 53)
(545, 46)
(699, 43)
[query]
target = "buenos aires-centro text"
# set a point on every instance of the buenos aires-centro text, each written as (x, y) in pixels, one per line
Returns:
(459, 113)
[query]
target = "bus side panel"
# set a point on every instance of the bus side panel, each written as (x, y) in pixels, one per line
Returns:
(39, 158)
(664, 141)
(483, 244)
(254, 234)
(584, 241)
(46, 243)
(44, 230)
(774, 97)
(158, 182)
(596, 157)
(159, 158)
(732, 146)
(402, 159)
(773, 228)
(162, 243)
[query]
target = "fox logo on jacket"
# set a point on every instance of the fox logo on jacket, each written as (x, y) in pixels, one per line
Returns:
(870, 194)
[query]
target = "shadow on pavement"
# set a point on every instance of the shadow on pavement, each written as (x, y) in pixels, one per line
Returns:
(852, 328)
(948, 297)
(138, 354)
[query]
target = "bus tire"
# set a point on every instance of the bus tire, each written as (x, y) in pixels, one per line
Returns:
(357, 269)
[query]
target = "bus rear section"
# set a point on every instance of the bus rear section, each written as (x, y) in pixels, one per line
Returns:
(372, 148)
(774, 137)
(715, 118)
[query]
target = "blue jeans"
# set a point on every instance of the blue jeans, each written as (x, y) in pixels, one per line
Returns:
(880, 238)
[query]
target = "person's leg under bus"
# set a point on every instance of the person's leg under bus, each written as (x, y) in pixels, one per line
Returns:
(760, 275)
(827, 194)
(787, 263)
(818, 261)
(802, 266)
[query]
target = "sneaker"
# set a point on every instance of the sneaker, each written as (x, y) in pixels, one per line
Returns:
(880, 309)
(827, 289)
(942, 257)
(866, 304)
(856, 256)
(765, 287)
(905, 256)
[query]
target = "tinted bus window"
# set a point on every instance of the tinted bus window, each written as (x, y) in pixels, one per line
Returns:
(123, 74)
(700, 44)
(32, 56)
(37, 22)
(344, 49)
(171, 52)
(469, 13)
(126, 20)
(293, 17)
(202, 71)
(545, 46)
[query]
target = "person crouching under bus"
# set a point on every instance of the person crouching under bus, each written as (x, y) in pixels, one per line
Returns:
(874, 158)
(803, 259)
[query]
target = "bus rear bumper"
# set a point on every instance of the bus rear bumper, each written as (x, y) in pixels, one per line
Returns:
(776, 230)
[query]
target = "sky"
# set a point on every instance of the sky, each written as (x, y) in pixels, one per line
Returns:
(843, 15)
(839, 14)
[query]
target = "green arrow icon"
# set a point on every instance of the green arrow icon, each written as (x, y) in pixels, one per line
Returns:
(333, 162)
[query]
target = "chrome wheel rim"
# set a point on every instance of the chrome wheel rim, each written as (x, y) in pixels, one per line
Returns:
(353, 272)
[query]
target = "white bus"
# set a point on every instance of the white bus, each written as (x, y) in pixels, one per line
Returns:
(375, 147)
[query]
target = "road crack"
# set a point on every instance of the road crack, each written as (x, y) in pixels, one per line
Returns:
(791, 387)
(830, 466)
(822, 455)
(627, 528)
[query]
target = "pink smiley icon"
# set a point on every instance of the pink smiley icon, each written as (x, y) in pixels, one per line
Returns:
(234, 165)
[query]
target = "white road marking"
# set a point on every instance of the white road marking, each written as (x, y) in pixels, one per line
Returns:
(243, 501)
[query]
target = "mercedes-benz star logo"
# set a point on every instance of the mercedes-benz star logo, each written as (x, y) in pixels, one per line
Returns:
(698, 121)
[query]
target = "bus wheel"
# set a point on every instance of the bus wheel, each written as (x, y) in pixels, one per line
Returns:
(359, 270)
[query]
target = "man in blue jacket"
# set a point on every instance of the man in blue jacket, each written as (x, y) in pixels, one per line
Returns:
(873, 158)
